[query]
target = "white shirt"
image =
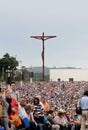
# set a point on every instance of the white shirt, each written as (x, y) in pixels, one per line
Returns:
(21, 111)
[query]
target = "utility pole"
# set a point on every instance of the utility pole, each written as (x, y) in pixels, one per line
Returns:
(43, 38)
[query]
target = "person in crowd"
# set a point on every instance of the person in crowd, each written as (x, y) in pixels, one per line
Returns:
(75, 121)
(45, 104)
(38, 113)
(4, 118)
(12, 101)
(60, 119)
(38, 108)
(52, 121)
(47, 124)
(22, 113)
(15, 120)
(14, 93)
(29, 111)
(55, 109)
(84, 107)
(67, 120)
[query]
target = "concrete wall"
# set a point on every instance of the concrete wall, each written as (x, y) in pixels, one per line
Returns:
(65, 74)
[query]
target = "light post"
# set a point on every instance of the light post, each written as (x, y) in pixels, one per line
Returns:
(8, 78)
(22, 75)
(35, 76)
(31, 75)
(14, 74)
(2, 73)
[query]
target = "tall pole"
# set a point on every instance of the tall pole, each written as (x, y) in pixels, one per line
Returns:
(43, 58)
(8, 71)
(43, 38)
(31, 74)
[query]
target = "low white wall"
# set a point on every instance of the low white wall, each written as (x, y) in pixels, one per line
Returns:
(65, 74)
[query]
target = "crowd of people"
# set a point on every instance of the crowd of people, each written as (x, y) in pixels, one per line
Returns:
(41, 105)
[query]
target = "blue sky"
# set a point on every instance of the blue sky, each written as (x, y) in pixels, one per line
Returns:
(67, 19)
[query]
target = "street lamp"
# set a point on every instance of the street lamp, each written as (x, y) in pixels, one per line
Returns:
(22, 75)
(14, 74)
(2, 73)
(31, 75)
(8, 79)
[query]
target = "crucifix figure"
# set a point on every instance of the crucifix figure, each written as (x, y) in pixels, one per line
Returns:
(43, 38)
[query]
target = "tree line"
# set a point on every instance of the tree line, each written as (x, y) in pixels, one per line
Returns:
(8, 69)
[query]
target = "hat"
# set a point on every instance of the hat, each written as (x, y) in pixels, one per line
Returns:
(61, 111)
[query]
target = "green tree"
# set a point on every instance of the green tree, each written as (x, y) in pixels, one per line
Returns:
(6, 61)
